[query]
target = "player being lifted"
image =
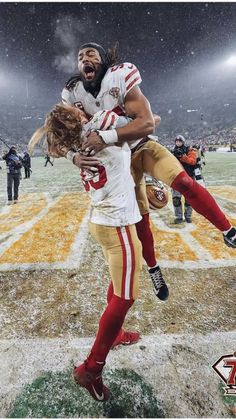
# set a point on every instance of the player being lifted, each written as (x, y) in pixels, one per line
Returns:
(101, 85)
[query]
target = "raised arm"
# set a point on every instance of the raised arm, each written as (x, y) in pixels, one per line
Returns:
(138, 108)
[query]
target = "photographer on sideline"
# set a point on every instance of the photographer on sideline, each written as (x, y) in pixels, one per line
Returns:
(188, 158)
(14, 165)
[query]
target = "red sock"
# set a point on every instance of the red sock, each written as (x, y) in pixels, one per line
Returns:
(145, 236)
(201, 200)
(109, 327)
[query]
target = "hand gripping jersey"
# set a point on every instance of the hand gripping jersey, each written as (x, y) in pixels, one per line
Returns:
(112, 186)
(116, 83)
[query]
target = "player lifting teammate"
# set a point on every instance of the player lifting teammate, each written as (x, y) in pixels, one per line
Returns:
(101, 85)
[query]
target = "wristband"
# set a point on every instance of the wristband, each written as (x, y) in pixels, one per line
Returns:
(70, 155)
(109, 137)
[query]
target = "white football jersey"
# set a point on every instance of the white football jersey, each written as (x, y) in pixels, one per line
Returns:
(116, 83)
(111, 187)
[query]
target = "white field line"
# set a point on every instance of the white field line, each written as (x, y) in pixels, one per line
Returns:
(5, 209)
(74, 259)
(72, 262)
(216, 182)
(223, 198)
(23, 360)
(18, 231)
(205, 258)
(201, 253)
(229, 213)
(201, 264)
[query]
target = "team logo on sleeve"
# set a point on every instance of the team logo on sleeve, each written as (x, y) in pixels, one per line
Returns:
(114, 92)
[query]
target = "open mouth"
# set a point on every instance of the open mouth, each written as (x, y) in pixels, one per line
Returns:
(89, 71)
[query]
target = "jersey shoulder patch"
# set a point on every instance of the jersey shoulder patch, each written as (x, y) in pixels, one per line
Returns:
(70, 84)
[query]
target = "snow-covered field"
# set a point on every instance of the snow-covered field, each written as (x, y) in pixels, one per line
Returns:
(53, 288)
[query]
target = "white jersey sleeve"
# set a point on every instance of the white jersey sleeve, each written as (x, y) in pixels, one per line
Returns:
(105, 120)
(125, 75)
(66, 97)
(116, 83)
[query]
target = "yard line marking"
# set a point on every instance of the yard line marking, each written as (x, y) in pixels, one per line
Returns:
(188, 247)
(18, 231)
(50, 238)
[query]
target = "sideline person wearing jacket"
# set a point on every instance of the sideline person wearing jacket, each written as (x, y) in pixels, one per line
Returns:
(188, 158)
(14, 165)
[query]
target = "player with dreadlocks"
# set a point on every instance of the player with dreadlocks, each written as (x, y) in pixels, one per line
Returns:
(114, 212)
(100, 85)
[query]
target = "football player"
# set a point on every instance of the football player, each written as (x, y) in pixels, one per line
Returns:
(114, 212)
(101, 85)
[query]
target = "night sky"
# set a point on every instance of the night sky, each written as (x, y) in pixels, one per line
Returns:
(183, 51)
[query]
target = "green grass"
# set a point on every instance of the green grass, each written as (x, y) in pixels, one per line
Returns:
(63, 176)
(220, 169)
(56, 395)
(228, 400)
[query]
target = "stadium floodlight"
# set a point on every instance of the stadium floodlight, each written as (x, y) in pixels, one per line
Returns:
(231, 61)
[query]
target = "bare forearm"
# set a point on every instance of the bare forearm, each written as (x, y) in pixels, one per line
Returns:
(136, 129)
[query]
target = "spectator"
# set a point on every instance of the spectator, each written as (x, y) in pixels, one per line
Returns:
(188, 159)
(13, 163)
(48, 160)
(26, 161)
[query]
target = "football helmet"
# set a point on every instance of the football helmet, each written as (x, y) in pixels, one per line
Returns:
(157, 193)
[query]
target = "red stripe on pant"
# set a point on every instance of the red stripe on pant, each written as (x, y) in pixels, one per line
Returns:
(201, 200)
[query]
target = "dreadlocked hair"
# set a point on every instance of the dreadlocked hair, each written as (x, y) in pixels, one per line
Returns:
(62, 129)
(112, 54)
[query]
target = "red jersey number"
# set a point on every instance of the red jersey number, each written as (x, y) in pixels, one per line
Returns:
(116, 67)
(97, 182)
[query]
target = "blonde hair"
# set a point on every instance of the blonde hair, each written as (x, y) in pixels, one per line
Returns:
(62, 129)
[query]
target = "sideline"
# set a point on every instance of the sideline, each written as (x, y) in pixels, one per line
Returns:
(178, 366)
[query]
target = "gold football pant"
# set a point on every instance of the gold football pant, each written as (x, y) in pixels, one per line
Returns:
(155, 160)
(123, 252)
